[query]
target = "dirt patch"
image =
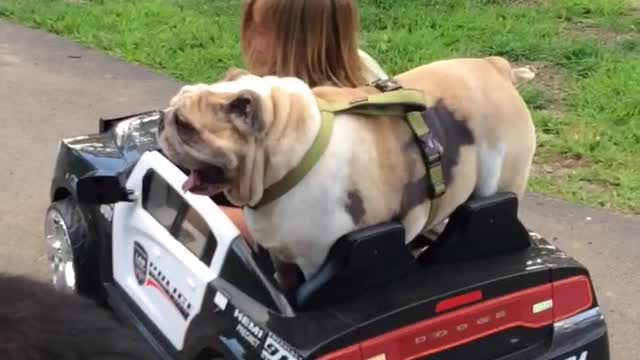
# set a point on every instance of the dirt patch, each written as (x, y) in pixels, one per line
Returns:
(634, 12)
(560, 166)
(553, 80)
(589, 30)
(530, 3)
(559, 169)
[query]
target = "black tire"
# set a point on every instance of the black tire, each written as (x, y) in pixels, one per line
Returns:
(84, 249)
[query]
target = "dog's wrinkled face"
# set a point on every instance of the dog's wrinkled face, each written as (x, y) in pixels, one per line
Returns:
(212, 131)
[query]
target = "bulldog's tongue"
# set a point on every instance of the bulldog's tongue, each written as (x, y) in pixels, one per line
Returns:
(194, 181)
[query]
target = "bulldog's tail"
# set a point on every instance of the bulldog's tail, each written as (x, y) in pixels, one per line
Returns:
(517, 76)
(522, 74)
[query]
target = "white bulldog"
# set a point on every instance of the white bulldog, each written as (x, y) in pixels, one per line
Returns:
(244, 133)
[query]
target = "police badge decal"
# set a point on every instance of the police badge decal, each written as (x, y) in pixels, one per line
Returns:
(140, 261)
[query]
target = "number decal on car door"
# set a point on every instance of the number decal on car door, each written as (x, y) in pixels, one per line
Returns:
(583, 356)
(276, 349)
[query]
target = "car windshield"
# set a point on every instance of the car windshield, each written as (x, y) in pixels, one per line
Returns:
(138, 133)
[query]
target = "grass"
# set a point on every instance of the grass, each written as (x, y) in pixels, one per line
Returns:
(585, 100)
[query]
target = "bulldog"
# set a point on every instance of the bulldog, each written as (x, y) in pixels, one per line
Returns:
(242, 134)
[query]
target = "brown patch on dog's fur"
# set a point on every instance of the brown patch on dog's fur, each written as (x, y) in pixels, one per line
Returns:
(414, 193)
(450, 132)
(355, 206)
(397, 167)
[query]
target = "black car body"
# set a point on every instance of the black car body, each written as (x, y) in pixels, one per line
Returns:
(484, 288)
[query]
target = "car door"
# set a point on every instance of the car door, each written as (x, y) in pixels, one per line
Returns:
(167, 245)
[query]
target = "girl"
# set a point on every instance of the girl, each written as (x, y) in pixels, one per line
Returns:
(314, 40)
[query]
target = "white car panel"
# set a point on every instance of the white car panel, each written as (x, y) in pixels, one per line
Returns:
(164, 278)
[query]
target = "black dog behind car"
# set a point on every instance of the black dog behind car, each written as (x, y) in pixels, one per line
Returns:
(39, 323)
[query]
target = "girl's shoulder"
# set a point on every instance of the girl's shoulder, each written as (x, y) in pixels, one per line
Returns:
(372, 70)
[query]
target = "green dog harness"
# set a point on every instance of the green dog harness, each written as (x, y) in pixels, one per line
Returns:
(392, 100)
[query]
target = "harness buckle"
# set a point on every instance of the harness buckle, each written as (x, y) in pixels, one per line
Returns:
(432, 151)
(386, 85)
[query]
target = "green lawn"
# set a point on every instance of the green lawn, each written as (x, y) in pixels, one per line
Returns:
(586, 98)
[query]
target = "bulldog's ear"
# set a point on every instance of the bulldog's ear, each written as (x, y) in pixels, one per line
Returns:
(234, 73)
(245, 112)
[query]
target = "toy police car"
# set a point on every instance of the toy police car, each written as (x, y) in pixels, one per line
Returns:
(121, 231)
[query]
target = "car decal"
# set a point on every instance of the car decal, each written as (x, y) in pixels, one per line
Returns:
(267, 344)
(159, 281)
(148, 274)
(277, 349)
(583, 356)
(140, 262)
(248, 329)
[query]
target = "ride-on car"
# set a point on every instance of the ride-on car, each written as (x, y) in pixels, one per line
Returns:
(121, 231)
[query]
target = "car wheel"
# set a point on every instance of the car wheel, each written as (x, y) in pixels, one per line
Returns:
(73, 261)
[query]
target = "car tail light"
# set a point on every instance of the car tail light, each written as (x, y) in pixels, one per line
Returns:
(533, 308)
(571, 296)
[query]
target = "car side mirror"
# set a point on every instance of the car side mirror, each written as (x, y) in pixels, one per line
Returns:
(102, 189)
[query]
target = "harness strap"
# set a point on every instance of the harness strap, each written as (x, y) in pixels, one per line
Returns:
(396, 103)
(310, 158)
(393, 100)
(432, 156)
(430, 148)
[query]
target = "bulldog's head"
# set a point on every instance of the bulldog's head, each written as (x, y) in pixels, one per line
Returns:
(217, 132)
(212, 131)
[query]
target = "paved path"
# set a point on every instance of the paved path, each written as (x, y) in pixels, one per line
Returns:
(609, 245)
(52, 88)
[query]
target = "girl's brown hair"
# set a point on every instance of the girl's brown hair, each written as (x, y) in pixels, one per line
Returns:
(314, 40)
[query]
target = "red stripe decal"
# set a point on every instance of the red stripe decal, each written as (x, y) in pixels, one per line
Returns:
(154, 284)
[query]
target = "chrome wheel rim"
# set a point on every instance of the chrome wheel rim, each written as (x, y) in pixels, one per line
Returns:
(59, 252)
